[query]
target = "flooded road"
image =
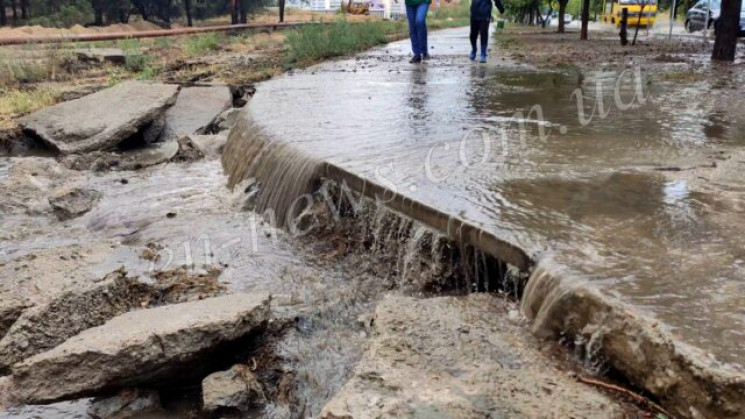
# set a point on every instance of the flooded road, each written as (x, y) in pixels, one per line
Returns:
(623, 180)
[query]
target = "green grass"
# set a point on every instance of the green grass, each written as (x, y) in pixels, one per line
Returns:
(23, 71)
(18, 102)
(318, 41)
(200, 44)
(134, 60)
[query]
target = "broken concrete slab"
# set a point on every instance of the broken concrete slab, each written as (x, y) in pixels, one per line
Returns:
(209, 145)
(102, 120)
(227, 119)
(459, 357)
(195, 109)
(235, 389)
(150, 155)
(73, 203)
(10, 310)
(51, 322)
(101, 55)
(128, 403)
(144, 347)
(45, 326)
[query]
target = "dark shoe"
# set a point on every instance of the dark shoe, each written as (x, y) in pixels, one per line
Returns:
(483, 59)
(472, 55)
(426, 57)
(416, 59)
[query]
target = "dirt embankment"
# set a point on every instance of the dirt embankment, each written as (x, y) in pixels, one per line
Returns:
(138, 25)
(547, 49)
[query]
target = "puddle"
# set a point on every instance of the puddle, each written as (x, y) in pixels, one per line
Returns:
(605, 184)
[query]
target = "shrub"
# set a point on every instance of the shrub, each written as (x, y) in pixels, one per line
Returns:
(199, 44)
(317, 41)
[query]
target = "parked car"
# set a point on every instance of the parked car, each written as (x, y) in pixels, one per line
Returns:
(568, 18)
(696, 16)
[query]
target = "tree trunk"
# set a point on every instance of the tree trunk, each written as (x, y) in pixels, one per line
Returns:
(639, 23)
(3, 15)
(24, 9)
(234, 11)
(97, 12)
(187, 8)
(167, 13)
(244, 11)
(585, 19)
(562, 10)
(142, 8)
(14, 6)
(281, 10)
(726, 29)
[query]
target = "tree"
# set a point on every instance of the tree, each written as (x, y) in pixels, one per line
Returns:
(643, 4)
(562, 11)
(98, 10)
(281, 10)
(24, 9)
(3, 15)
(585, 19)
(234, 11)
(243, 10)
(187, 9)
(726, 29)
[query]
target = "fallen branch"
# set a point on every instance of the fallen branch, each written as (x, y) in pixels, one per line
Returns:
(639, 399)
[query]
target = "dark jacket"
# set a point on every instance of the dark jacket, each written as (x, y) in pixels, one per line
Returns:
(481, 9)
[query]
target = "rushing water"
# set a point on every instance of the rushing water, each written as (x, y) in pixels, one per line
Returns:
(613, 195)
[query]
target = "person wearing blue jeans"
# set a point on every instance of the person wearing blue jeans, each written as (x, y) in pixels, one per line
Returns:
(416, 14)
(480, 19)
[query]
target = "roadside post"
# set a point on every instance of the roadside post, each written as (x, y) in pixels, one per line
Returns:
(624, 25)
(672, 19)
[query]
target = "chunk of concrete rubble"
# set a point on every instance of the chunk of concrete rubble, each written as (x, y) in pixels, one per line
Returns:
(101, 55)
(10, 310)
(195, 110)
(102, 120)
(128, 403)
(235, 389)
(140, 348)
(155, 153)
(209, 145)
(150, 155)
(45, 326)
(457, 357)
(227, 119)
(73, 203)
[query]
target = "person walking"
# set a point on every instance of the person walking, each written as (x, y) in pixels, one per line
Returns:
(416, 14)
(480, 19)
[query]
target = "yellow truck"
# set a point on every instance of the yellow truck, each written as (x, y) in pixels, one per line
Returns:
(645, 18)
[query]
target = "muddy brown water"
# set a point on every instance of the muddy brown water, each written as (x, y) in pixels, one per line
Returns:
(628, 198)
